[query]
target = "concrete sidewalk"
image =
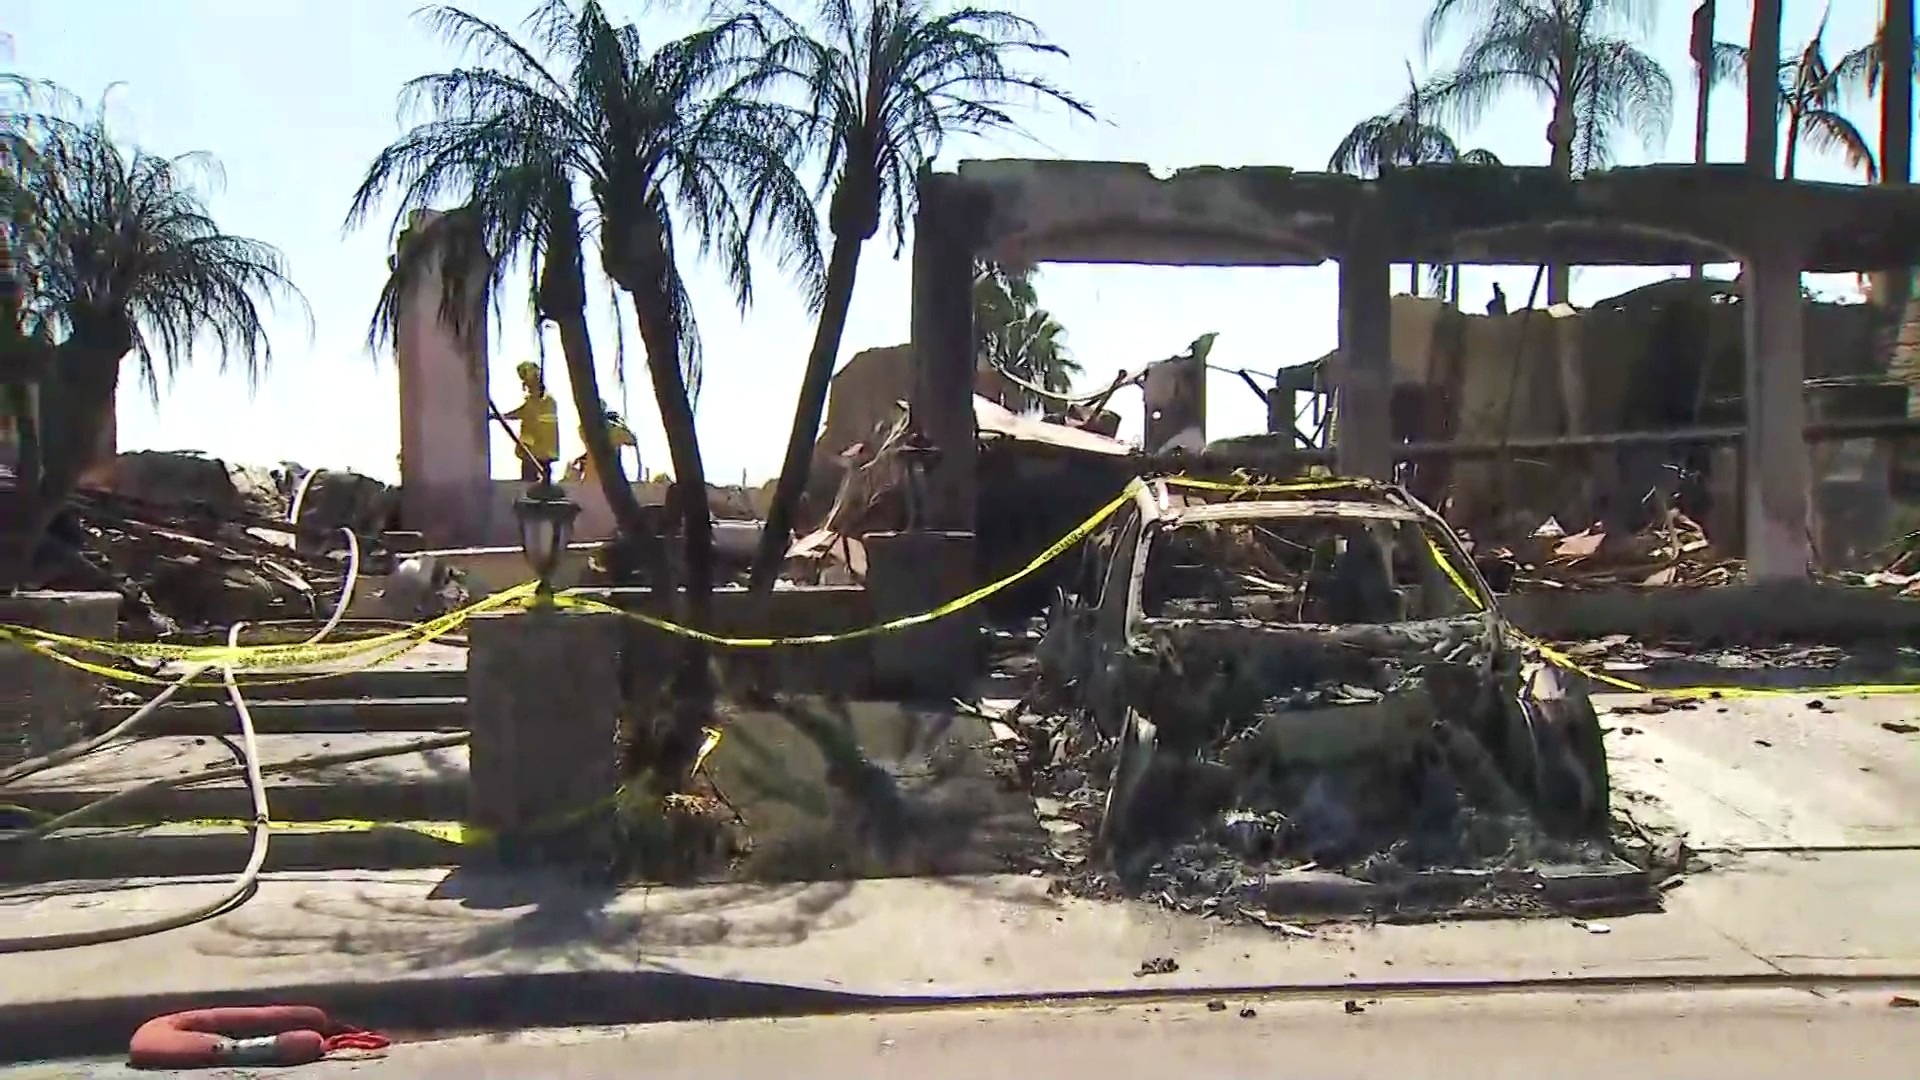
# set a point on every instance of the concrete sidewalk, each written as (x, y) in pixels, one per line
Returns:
(419, 952)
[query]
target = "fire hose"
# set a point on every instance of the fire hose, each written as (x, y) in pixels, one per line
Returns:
(261, 1035)
(243, 885)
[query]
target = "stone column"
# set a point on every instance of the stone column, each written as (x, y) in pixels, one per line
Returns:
(1777, 471)
(910, 573)
(943, 349)
(544, 697)
(446, 492)
(45, 704)
(1363, 369)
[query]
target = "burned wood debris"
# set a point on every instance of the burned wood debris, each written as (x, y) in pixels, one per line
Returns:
(193, 544)
(1242, 697)
(1671, 552)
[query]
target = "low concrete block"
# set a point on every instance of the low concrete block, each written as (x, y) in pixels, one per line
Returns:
(544, 691)
(45, 704)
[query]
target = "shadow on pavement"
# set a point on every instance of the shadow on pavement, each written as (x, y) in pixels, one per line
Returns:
(520, 923)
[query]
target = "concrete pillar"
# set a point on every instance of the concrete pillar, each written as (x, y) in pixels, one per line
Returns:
(943, 349)
(1777, 472)
(446, 491)
(45, 704)
(909, 573)
(544, 698)
(1363, 369)
(1175, 393)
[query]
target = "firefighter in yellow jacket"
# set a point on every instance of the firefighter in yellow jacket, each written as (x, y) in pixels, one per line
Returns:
(539, 420)
(618, 433)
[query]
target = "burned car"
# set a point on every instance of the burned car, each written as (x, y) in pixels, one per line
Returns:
(1313, 673)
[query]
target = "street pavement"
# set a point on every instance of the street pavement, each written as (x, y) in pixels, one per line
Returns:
(1814, 770)
(1698, 1035)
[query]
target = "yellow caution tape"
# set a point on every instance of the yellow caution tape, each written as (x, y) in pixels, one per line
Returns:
(381, 648)
(451, 832)
(270, 655)
(1033, 566)
(1562, 660)
(370, 650)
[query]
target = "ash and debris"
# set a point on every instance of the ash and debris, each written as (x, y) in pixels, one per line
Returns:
(1435, 834)
(192, 543)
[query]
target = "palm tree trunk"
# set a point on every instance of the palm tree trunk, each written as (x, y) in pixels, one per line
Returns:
(1573, 391)
(1559, 275)
(1793, 141)
(842, 268)
(563, 302)
(683, 448)
(1896, 100)
(692, 689)
(1763, 87)
(75, 399)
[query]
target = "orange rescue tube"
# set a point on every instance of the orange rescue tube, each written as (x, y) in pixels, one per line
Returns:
(263, 1035)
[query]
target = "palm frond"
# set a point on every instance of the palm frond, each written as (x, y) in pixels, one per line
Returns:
(1826, 130)
(117, 236)
(1562, 53)
(881, 86)
(580, 102)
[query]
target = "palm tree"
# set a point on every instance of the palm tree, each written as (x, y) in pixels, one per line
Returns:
(1018, 338)
(1865, 69)
(1810, 97)
(1405, 136)
(1567, 53)
(582, 138)
(116, 254)
(879, 84)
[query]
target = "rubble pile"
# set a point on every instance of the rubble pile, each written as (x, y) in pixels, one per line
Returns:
(1672, 551)
(193, 544)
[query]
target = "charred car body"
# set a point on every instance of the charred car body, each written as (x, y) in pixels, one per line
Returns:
(1314, 672)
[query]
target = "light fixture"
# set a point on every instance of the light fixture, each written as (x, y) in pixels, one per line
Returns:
(546, 524)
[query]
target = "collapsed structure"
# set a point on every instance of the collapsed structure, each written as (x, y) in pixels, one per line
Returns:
(1024, 212)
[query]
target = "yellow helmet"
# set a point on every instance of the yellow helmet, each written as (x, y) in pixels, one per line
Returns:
(526, 369)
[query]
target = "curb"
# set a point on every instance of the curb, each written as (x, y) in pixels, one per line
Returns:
(418, 1009)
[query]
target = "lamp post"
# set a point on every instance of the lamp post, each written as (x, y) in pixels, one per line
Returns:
(546, 524)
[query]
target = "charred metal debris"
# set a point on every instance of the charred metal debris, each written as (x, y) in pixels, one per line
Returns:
(1272, 702)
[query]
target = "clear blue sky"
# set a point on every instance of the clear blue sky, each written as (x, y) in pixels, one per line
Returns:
(295, 96)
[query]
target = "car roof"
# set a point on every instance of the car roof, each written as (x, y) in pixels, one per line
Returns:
(1263, 509)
